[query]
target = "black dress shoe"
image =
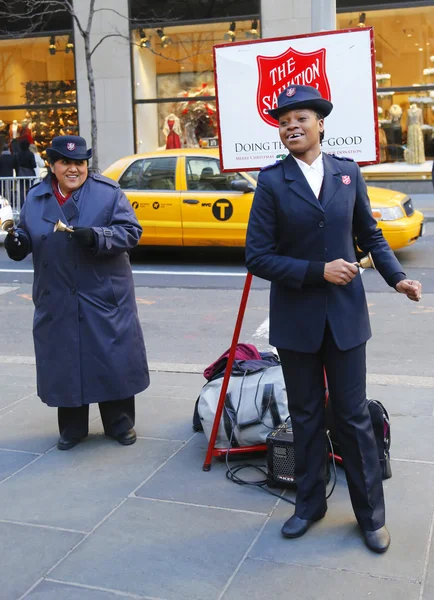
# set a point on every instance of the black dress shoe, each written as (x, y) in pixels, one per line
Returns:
(64, 443)
(127, 438)
(296, 527)
(378, 540)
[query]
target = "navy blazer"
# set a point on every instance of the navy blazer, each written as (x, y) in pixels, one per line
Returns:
(291, 234)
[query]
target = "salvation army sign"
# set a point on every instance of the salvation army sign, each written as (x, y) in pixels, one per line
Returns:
(251, 75)
(276, 73)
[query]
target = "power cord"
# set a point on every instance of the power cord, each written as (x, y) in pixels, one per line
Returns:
(232, 472)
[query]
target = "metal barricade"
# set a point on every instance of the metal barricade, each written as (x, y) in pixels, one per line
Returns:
(14, 189)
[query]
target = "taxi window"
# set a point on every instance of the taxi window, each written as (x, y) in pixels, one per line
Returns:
(150, 174)
(203, 174)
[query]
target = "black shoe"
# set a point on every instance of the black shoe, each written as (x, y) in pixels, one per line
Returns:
(378, 540)
(127, 438)
(64, 443)
(296, 527)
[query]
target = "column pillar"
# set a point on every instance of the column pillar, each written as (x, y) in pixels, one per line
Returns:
(112, 71)
(281, 18)
(323, 15)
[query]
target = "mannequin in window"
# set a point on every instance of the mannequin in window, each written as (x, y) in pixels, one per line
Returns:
(394, 133)
(382, 138)
(26, 132)
(172, 131)
(415, 153)
(14, 134)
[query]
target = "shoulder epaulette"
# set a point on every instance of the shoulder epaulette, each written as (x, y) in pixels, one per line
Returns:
(103, 179)
(34, 185)
(342, 157)
(271, 166)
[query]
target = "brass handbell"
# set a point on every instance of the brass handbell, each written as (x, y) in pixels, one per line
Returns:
(6, 216)
(59, 226)
(367, 262)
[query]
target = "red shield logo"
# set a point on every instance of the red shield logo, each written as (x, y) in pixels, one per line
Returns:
(70, 146)
(346, 179)
(276, 73)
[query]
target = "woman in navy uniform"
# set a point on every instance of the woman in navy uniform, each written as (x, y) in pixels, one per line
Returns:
(306, 212)
(88, 340)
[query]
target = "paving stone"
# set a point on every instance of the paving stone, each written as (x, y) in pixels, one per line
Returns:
(307, 583)
(429, 585)
(169, 416)
(335, 542)
(163, 550)
(27, 553)
(182, 479)
(412, 438)
(76, 489)
(404, 401)
(32, 426)
(11, 462)
(17, 382)
(50, 590)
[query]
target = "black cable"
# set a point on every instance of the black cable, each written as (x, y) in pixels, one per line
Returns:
(231, 473)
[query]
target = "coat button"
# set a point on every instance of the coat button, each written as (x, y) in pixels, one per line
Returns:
(45, 263)
(43, 237)
(47, 291)
(321, 224)
(50, 317)
(72, 290)
(80, 317)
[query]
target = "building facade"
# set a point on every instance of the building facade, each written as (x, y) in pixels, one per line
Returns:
(155, 83)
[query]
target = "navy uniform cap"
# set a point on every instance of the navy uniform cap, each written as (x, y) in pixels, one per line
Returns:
(69, 146)
(301, 96)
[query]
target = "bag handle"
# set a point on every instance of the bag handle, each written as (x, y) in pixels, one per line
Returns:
(230, 421)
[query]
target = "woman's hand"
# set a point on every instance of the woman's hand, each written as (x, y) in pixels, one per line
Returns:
(411, 288)
(340, 272)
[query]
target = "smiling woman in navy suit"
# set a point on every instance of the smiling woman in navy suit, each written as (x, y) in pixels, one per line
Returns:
(306, 212)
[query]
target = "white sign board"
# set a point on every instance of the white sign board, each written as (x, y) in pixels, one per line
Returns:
(250, 76)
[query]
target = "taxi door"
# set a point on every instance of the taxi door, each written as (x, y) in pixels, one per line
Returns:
(213, 214)
(150, 185)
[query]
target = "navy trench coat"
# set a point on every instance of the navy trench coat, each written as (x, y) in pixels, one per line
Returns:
(88, 340)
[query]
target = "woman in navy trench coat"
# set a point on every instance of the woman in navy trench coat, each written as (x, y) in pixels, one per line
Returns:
(88, 340)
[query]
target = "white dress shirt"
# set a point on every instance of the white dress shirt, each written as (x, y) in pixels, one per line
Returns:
(314, 173)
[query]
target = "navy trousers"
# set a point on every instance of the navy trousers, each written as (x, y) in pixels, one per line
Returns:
(117, 416)
(346, 377)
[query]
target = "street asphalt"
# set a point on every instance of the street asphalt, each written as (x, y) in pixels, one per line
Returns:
(102, 521)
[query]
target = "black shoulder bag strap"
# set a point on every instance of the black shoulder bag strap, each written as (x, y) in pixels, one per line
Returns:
(269, 403)
(230, 421)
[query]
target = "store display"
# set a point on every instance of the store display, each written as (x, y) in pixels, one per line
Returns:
(415, 152)
(383, 144)
(172, 131)
(393, 131)
(48, 122)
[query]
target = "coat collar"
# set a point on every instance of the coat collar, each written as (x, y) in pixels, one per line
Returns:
(298, 183)
(52, 211)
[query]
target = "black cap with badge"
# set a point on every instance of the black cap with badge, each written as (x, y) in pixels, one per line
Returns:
(297, 97)
(69, 146)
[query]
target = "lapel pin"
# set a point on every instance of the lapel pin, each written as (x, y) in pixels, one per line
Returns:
(346, 179)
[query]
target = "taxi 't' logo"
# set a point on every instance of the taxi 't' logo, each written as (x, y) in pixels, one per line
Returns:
(222, 209)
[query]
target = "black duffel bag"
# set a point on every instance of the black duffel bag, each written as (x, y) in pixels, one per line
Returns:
(381, 425)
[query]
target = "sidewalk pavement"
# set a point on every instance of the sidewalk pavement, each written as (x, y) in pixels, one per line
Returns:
(103, 522)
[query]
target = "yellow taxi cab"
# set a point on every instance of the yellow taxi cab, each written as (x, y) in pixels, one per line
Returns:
(181, 198)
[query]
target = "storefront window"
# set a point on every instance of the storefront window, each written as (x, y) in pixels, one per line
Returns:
(174, 83)
(404, 44)
(37, 90)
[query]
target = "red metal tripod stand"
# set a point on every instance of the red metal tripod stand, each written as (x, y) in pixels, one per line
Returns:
(220, 452)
